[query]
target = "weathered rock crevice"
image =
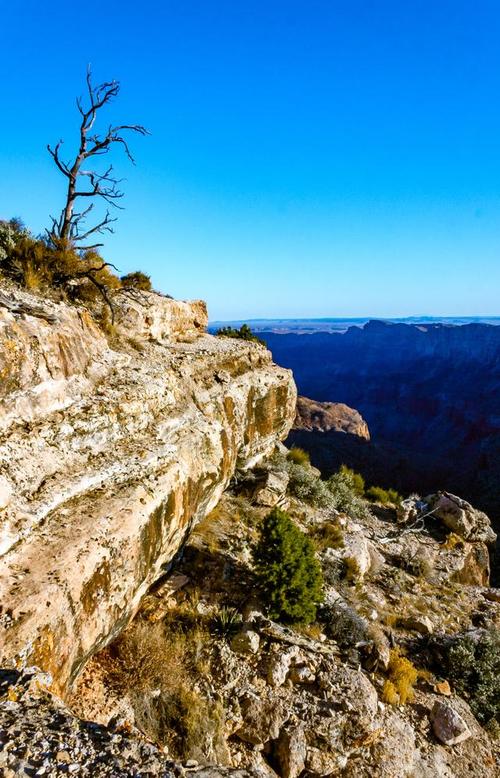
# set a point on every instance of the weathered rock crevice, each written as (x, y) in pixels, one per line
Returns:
(108, 455)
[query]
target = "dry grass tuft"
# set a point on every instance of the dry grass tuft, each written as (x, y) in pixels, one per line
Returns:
(398, 688)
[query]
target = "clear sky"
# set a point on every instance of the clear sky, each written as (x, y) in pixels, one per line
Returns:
(307, 158)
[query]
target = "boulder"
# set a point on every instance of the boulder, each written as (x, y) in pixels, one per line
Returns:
(356, 554)
(262, 719)
(246, 642)
(448, 725)
(421, 624)
(291, 751)
(460, 517)
(273, 490)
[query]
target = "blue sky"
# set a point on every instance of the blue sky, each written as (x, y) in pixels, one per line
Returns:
(306, 158)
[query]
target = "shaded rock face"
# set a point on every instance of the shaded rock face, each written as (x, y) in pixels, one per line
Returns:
(109, 457)
(430, 395)
(326, 416)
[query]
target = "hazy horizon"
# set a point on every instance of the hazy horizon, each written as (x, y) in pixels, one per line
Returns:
(341, 324)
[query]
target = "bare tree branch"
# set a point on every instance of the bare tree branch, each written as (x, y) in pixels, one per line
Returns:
(105, 186)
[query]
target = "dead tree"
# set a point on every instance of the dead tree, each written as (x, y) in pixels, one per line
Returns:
(86, 184)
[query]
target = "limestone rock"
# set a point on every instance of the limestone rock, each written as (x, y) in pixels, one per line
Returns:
(262, 719)
(149, 315)
(290, 751)
(279, 665)
(5, 492)
(460, 517)
(418, 623)
(273, 490)
(113, 455)
(246, 642)
(356, 553)
(320, 763)
(449, 727)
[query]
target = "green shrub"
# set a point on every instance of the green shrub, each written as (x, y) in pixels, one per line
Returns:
(298, 456)
(244, 333)
(383, 496)
(474, 669)
(306, 486)
(342, 487)
(287, 570)
(356, 479)
(137, 280)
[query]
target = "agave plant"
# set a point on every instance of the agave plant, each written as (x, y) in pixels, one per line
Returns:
(226, 622)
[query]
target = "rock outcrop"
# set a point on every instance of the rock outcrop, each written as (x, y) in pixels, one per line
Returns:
(109, 455)
(327, 416)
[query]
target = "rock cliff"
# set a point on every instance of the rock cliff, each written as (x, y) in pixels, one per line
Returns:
(111, 449)
(325, 417)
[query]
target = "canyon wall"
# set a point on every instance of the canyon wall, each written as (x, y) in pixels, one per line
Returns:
(430, 395)
(109, 454)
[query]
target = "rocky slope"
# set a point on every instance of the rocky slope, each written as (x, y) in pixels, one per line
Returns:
(110, 452)
(275, 700)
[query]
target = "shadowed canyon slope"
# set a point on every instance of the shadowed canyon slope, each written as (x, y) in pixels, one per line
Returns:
(429, 394)
(109, 455)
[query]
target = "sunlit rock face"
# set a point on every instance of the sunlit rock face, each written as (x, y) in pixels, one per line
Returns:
(109, 455)
(314, 416)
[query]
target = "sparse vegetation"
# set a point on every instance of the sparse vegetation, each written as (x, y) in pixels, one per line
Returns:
(226, 622)
(244, 333)
(383, 496)
(473, 666)
(137, 280)
(356, 480)
(298, 456)
(345, 625)
(60, 271)
(165, 664)
(287, 570)
(327, 535)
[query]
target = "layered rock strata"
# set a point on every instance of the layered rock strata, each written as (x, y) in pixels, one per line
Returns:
(109, 455)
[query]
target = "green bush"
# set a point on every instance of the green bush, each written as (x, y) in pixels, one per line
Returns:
(137, 280)
(306, 486)
(298, 456)
(474, 669)
(383, 496)
(356, 479)
(244, 333)
(342, 487)
(287, 570)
